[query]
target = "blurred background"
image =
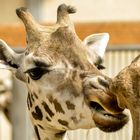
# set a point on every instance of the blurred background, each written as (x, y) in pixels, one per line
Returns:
(120, 18)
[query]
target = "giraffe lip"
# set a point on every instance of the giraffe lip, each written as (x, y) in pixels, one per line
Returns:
(106, 121)
(104, 100)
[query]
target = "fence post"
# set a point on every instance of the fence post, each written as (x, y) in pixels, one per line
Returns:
(18, 110)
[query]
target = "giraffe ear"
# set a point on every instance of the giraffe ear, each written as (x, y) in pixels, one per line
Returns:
(97, 43)
(8, 58)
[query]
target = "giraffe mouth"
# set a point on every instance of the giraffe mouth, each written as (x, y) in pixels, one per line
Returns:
(106, 112)
(106, 121)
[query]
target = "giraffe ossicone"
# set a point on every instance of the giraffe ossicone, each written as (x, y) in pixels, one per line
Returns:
(66, 89)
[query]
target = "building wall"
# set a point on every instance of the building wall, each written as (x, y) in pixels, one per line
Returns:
(88, 10)
(96, 10)
(7, 10)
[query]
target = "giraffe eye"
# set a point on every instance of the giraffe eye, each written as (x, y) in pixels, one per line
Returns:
(37, 73)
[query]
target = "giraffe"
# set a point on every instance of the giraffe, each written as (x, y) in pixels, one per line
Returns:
(66, 89)
(126, 86)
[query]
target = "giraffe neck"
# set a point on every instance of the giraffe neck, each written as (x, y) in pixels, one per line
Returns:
(48, 133)
(136, 126)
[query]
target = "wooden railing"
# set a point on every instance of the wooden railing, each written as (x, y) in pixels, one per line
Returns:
(120, 32)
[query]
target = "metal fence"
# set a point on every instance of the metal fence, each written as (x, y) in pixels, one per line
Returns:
(115, 59)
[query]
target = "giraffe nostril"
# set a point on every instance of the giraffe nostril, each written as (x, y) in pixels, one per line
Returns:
(103, 82)
(96, 82)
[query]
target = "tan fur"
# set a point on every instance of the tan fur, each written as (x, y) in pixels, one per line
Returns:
(126, 86)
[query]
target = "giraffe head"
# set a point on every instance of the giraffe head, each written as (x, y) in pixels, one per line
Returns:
(62, 75)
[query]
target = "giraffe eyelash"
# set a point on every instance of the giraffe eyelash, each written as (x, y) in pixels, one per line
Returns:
(37, 72)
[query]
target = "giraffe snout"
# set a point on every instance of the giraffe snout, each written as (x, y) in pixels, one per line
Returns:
(103, 82)
(96, 82)
(96, 91)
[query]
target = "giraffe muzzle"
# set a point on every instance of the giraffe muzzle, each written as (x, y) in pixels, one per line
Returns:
(107, 114)
(107, 102)
(96, 89)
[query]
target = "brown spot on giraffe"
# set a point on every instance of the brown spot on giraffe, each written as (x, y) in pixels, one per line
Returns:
(48, 118)
(29, 100)
(35, 95)
(37, 132)
(32, 97)
(47, 109)
(58, 107)
(37, 114)
(41, 126)
(70, 106)
(50, 98)
(60, 134)
(63, 122)
(75, 120)
(28, 103)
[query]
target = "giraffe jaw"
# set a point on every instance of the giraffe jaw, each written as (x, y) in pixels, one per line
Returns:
(106, 121)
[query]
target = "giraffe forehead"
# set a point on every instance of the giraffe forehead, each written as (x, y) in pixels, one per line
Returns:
(61, 44)
(61, 48)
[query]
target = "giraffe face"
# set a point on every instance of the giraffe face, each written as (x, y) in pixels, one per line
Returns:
(66, 88)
